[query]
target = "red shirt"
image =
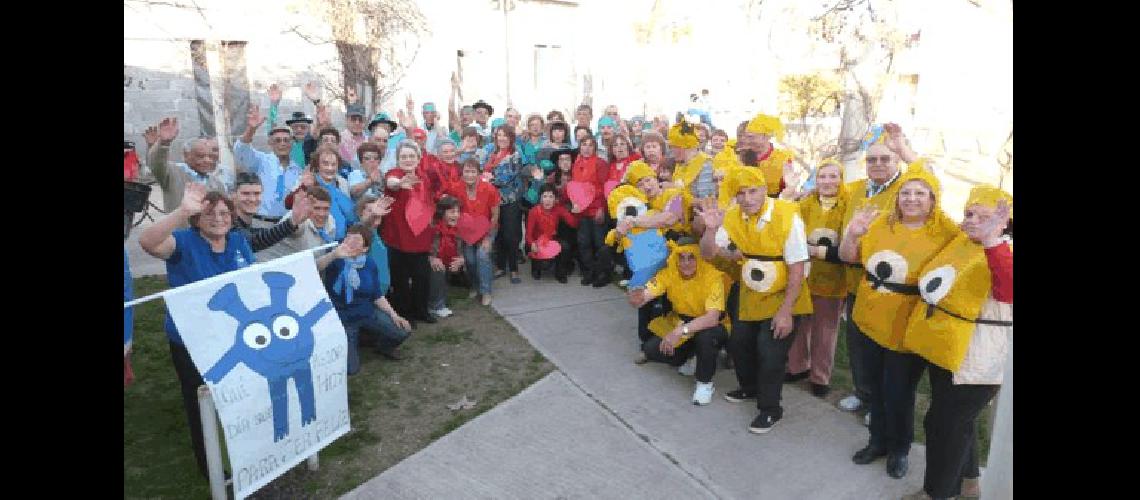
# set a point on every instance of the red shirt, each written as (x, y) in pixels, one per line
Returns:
(1000, 259)
(618, 167)
(448, 248)
(542, 222)
(394, 229)
(595, 171)
(439, 175)
(486, 198)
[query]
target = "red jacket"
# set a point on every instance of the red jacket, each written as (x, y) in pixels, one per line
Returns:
(595, 171)
(618, 168)
(1000, 259)
(439, 176)
(394, 229)
(448, 247)
(542, 222)
(486, 198)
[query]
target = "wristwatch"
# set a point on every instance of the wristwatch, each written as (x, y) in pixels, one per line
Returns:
(685, 332)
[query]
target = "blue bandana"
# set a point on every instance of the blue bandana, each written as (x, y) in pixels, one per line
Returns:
(350, 276)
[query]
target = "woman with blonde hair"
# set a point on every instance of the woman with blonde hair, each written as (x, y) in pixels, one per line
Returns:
(813, 348)
(893, 248)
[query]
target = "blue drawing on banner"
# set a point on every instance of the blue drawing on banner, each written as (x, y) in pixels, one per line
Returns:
(275, 342)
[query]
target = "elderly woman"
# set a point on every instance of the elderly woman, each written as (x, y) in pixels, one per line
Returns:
(653, 150)
(893, 249)
(442, 170)
(509, 175)
(323, 167)
(813, 349)
(203, 250)
(533, 138)
(964, 328)
(368, 180)
(407, 248)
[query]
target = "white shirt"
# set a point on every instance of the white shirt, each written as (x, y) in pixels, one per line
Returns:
(795, 246)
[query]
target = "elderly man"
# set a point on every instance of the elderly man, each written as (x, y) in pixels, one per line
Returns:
(201, 165)
(380, 131)
(763, 242)
(278, 171)
(434, 130)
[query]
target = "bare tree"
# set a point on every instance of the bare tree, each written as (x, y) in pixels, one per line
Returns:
(811, 95)
(376, 41)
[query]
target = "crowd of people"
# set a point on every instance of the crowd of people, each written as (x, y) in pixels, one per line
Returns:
(720, 245)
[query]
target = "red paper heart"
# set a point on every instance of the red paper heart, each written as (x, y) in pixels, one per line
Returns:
(418, 213)
(609, 187)
(547, 249)
(580, 193)
(472, 228)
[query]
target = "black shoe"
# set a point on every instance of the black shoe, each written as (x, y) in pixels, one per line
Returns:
(896, 465)
(820, 390)
(535, 273)
(796, 377)
(392, 354)
(588, 280)
(561, 279)
(739, 395)
(603, 280)
(764, 422)
(869, 454)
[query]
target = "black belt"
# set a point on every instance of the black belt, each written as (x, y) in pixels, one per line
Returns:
(674, 235)
(856, 266)
(765, 258)
(877, 282)
(266, 219)
(992, 322)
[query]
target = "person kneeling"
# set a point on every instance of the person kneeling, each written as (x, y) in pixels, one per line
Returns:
(696, 290)
(542, 227)
(356, 287)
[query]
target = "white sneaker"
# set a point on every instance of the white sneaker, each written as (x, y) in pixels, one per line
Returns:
(850, 403)
(867, 419)
(689, 368)
(441, 313)
(623, 283)
(446, 311)
(703, 394)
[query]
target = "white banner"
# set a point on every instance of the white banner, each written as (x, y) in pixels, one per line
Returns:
(273, 351)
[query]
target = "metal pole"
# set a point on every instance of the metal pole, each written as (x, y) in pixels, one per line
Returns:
(507, 46)
(212, 443)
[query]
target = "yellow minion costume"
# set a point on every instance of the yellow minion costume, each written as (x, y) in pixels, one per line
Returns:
(639, 170)
(823, 222)
(773, 165)
(893, 256)
(625, 201)
(704, 291)
(954, 286)
(760, 237)
(726, 162)
(683, 135)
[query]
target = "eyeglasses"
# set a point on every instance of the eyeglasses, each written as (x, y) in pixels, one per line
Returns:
(879, 159)
(280, 140)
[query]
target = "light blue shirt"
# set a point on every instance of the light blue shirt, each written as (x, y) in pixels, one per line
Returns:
(268, 169)
(389, 160)
(356, 177)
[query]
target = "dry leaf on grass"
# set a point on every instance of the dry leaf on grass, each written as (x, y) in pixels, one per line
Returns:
(462, 404)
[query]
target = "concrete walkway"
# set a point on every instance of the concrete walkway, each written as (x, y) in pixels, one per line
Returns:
(603, 427)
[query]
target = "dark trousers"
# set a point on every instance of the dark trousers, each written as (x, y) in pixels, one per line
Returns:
(857, 343)
(508, 238)
(705, 345)
(895, 377)
(591, 239)
(760, 360)
(560, 264)
(189, 379)
(952, 432)
(411, 275)
(652, 309)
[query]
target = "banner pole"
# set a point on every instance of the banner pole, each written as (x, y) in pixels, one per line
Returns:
(212, 444)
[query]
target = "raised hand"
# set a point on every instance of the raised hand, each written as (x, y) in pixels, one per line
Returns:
(274, 94)
(383, 206)
(712, 216)
(896, 140)
(302, 207)
(411, 104)
(454, 81)
(308, 179)
(376, 176)
(150, 136)
(254, 118)
(168, 130)
(313, 91)
(323, 117)
(193, 199)
(352, 246)
(862, 220)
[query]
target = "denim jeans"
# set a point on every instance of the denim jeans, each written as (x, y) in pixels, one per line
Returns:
(437, 290)
(388, 336)
(478, 264)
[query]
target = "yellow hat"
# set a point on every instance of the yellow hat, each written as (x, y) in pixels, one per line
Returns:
(917, 172)
(682, 135)
(988, 196)
(766, 124)
(625, 196)
(742, 177)
(638, 170)
(684, 245)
